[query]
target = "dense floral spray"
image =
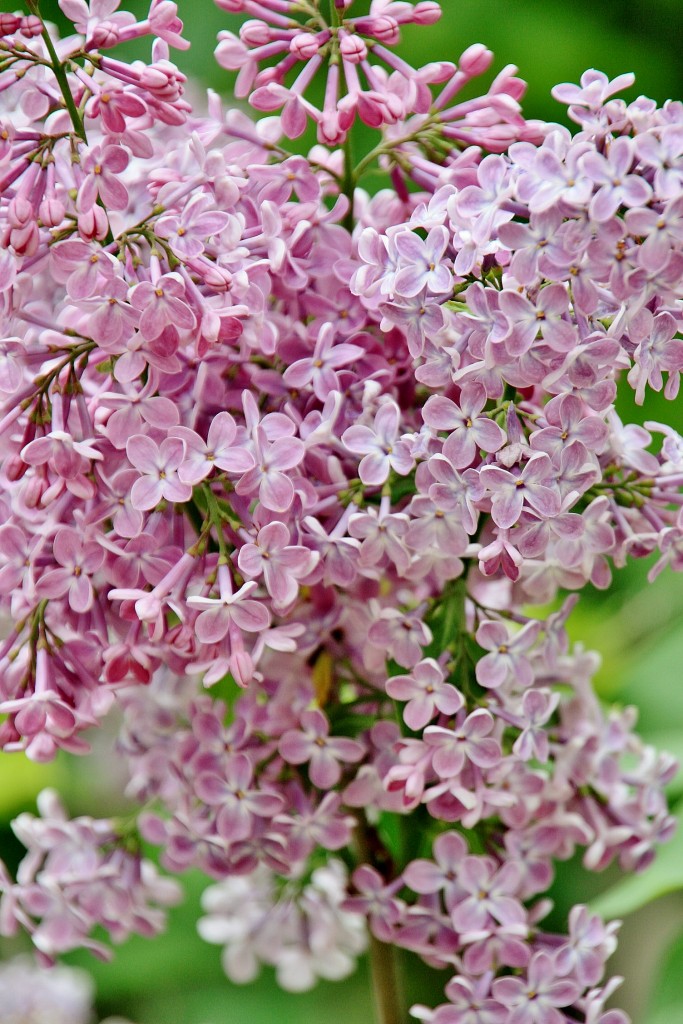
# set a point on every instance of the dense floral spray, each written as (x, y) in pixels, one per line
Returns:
(284, 464)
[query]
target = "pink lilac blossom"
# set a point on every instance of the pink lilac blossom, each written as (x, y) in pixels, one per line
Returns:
(266, 434)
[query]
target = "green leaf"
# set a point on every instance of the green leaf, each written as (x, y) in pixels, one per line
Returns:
(667, 1002)
(651, 684)
(391, 833)
(21, 780)
(665, 875)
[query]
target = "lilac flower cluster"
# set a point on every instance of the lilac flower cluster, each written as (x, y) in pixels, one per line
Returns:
(320, 450)
(303, 40)
(301, 929)
(76, 877)
(60, 995)
(63, 995)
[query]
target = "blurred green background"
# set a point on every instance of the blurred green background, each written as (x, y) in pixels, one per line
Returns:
(177, 979)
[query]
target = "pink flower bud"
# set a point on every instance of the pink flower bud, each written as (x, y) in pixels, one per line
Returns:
(507, 84)
(19, 212)
(232, 6)
(352, 48)
(24, 235)
(242, 667)
(304, 45)
(51, 212)
(9, 23)
(385, 29)
(215, 277)
(15, 468)
(476, 60)
(255, 33)
(162, 81)
(35, 488)
(93, 223)
(104, 36)
(427, 12)
(31, 26)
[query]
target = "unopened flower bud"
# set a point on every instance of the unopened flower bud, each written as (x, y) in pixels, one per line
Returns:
(23, 235)
(93, 223)
(476, 60)
(232, 6)
(304, 45)
(15, 467)
(255, 33)
(51, 212)
(9, 23)
(31, 26)
(427, 12)
(19, 212)
(104, 36)
(385, 29)
(35, 488)
(353, 48)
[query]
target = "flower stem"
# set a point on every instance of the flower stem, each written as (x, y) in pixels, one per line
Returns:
(60, 75)
(349, 183)
(387, 995)
(388, 1009)
(63, 83)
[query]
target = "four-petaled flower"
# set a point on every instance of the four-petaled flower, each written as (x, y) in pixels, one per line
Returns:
(103, 166)
(426, 693)
(162, 304)
(507, 659)
(318, 370)
(380, 446)
(79, 559)
(469, 430)
(158, 465)
(535, 485)
(537, 999)
(282, 564)
(324, 754)
(222, 450)
(218, 614)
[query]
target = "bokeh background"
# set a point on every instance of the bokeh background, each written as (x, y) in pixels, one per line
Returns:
(177, 979)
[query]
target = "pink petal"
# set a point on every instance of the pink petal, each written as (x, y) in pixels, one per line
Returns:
(212, 624)
(250, 616)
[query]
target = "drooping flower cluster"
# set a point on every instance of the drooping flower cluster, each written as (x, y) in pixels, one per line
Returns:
(303, 41)
(76, 877)
(261, 430)
(302, 930)
(61, 995)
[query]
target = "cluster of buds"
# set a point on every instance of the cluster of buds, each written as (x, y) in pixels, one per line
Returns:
(303, 42)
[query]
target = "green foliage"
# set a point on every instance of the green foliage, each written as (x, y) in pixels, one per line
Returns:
(667, 1002)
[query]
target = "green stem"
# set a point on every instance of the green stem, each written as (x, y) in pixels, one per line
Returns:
(384, 147)
(370, 158)
(60, 75)
(217, 519)
(386, 992)
(195, 515)
(447, 618)
(349, 183)
(63, 82)
(388, 1008)
(454, 617)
